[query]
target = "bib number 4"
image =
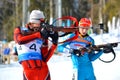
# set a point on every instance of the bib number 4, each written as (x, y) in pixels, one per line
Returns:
(33, 47)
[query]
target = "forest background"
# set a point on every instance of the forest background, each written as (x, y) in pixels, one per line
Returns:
(11, 12)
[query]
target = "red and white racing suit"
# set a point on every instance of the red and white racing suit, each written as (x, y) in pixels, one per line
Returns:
(33, 55)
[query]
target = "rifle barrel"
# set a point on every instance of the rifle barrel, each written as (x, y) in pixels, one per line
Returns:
(108, 44)
(63, 29)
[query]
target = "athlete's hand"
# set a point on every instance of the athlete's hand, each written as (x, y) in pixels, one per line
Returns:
(76, 52)
(54, 36)
(44, 33)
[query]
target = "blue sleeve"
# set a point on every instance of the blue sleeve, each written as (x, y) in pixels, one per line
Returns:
(63, 47)
(93, 56)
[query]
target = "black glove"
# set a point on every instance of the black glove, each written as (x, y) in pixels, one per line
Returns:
(44, 33)
(76, 52)
(54, 36)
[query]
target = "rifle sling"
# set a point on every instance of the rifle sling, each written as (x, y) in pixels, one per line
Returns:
(114, 56)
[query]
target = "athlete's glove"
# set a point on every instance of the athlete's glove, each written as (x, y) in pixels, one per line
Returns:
(54, 36)
(44, 33)
(76, 52)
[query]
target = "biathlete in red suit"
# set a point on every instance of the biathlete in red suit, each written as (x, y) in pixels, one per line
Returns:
(32, 48)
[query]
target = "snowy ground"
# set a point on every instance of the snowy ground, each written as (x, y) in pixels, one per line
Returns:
(11, 71)
(61, 68)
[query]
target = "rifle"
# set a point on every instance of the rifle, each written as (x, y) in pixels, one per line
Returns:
(107, 48)
(102, 46)
(52, 28)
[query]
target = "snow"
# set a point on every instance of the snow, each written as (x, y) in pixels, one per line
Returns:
(61, 69)
(11, 71)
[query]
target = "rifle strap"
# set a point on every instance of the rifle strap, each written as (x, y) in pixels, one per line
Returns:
(114, 56)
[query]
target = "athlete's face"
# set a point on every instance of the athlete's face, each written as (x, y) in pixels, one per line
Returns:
(35, 26)
(38, 23)
(83, 30)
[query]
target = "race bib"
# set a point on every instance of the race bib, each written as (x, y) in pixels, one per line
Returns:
(30, 47)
